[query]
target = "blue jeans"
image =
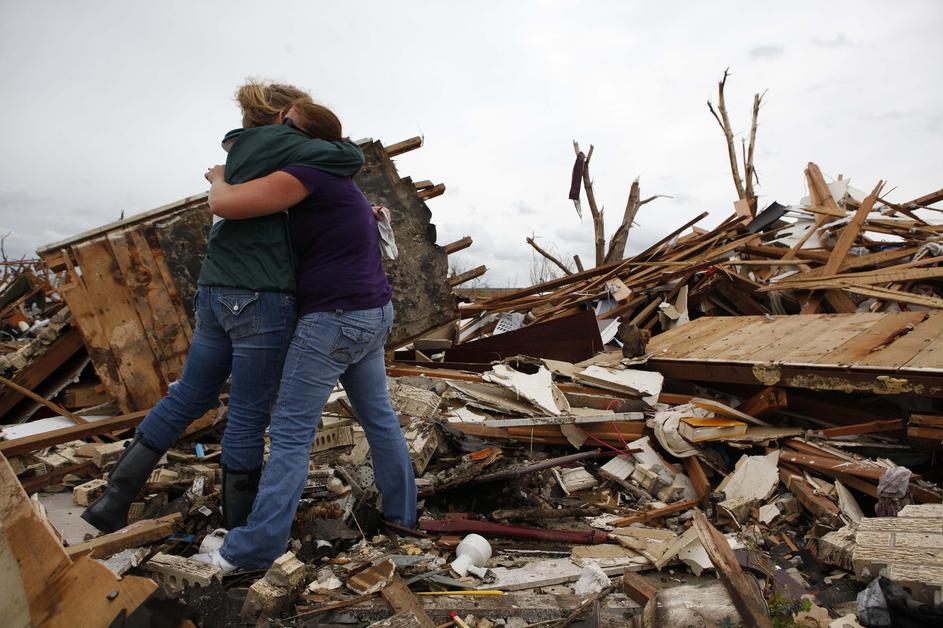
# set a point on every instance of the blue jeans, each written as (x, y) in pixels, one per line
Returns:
(240, 332)
(327, 346)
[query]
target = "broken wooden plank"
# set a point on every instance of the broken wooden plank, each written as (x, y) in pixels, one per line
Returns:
(637, 588)
(373, 578)
(401, 600)
(817, 505)
(656, 513)
(29, 393)
(697, 476)
(474, 273)
(41, 584)
(869, 427)
(458, 245)
(566, 418)
(845, 241)
(403, 147)
(125, 336)
(431, 192)
(743, 590)
(897, 296)
(135, 535)
(29, 444)
(767, 400)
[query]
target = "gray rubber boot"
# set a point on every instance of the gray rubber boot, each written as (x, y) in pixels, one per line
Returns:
(110, 511)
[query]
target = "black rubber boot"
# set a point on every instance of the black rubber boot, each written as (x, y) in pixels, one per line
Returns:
(239, 491)
(110, 511)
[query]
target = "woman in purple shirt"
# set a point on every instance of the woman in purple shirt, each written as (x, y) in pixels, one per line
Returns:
(345, 318)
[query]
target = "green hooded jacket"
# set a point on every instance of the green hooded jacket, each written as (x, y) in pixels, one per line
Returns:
(255, 253)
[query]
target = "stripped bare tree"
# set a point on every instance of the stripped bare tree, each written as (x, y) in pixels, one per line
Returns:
(744, 186)
(581, 183)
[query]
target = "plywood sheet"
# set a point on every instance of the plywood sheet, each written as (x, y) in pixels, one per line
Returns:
(905, 348)
(860, 346)
(802, 330)
(685, 339)
(836, 332)
(125, 336)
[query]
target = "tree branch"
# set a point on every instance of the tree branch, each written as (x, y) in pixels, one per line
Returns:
(748, 161)
(550, 257)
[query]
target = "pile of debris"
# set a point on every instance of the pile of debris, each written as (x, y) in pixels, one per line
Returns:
(735, 426)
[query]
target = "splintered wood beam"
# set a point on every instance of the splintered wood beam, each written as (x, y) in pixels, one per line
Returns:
(579, 263)
(819, 506)
(425, 183)
(434, 191)
(402, 600)
(870, 427)
(28, 444)
(746, 595)
(767, 400)
(845, 280)
(657, 513)
(697, 476)
(827, 464)
(777, 252)
(846, 240)
(926, 199)
(474, 273)
(403, 147)
(135, 535)
(897, 296)
(637, 588)
(458, 245)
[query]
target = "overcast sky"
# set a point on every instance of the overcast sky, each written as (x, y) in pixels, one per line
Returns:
(119, 106)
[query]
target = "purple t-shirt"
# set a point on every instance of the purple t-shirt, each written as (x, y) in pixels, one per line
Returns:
(335, 240)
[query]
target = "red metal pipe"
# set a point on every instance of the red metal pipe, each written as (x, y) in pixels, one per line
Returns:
(487, 528)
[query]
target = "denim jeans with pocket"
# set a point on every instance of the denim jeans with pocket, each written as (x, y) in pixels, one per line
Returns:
(327, 346)
(240, 332)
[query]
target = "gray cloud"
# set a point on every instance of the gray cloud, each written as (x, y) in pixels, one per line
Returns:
(523, 209)
(838, 41)
(766, 51)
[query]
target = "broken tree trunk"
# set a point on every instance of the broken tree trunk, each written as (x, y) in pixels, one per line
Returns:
(598, 223)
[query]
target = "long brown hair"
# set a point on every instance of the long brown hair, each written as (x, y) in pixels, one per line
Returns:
(317, 120)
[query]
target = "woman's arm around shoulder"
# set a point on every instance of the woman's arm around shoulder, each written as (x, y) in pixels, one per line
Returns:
(266, 195)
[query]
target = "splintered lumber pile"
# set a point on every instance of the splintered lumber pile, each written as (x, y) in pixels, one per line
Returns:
(838, 250)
